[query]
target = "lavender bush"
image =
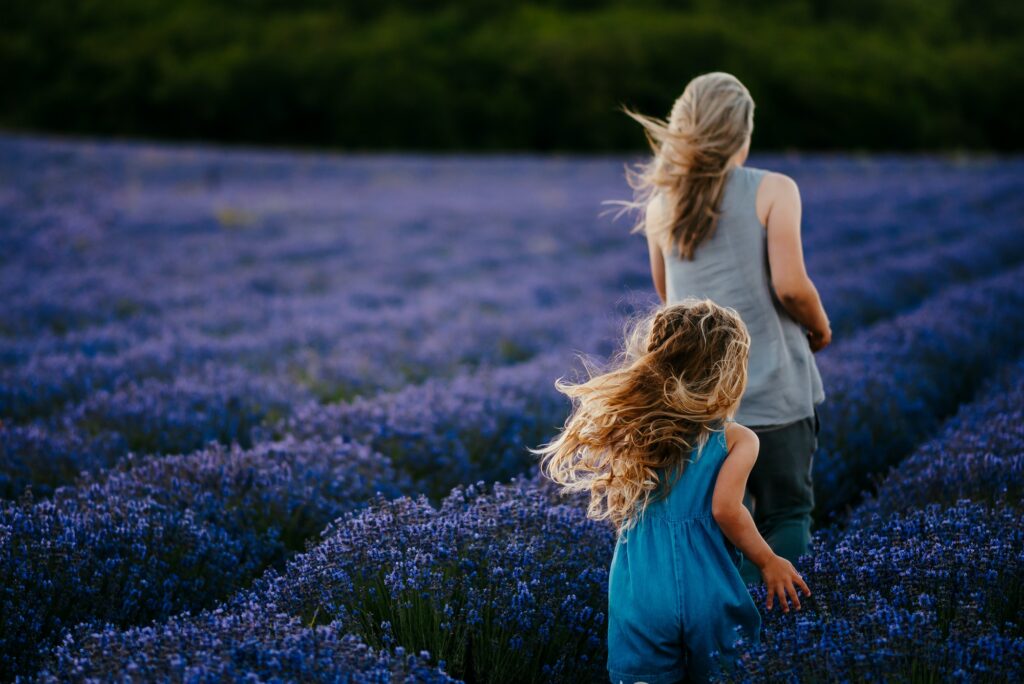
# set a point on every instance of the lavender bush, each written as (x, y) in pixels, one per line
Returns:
(496, 584)
(917, 585)
(978, 456)
(169, 534)
(930, 593)
(151, 416)
(936, 594)
(891, 386)
(256, 265)
(216, 646)
(887, 390)
(475, 426)
(862, 294)
(94, 557)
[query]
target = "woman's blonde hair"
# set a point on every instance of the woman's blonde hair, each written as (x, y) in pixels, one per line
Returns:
(709, 123)
(681, 370)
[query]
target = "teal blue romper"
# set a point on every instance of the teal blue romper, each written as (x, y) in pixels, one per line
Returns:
(674, 587)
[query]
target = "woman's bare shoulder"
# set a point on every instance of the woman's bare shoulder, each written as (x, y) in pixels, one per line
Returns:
(776, 189)
(655, 216)
(656, 205)
(779, 184)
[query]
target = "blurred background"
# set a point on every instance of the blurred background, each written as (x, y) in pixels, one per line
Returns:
(493, 75)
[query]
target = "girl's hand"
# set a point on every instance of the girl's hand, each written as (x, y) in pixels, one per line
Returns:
(782, 579)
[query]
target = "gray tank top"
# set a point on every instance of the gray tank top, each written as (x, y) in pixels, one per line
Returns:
(731, 269)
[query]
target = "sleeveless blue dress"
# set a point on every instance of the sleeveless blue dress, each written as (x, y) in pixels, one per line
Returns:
(674, 589)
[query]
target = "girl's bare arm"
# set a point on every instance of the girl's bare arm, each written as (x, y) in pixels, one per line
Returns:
(790, 281)
(780, 577)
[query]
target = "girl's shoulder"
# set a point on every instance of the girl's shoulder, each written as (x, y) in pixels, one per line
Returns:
(715, 441)
(736, 434)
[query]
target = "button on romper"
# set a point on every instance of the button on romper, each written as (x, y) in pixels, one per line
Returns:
(674, 588)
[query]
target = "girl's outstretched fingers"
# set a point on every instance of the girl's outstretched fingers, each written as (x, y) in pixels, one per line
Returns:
(780, 591)
(791, 590)
(781, 579)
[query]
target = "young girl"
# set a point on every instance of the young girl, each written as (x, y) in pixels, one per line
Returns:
(719, 229)
(652, 441)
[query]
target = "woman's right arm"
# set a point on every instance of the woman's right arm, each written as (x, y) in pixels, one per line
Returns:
(780, 577)
(790, 281)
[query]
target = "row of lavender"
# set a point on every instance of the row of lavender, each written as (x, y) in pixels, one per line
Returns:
(177, 415)
(926, 580)
(926, 583)
(473, 428)
(178, 533)
(145, 311)
(210, 354)
(411, 234)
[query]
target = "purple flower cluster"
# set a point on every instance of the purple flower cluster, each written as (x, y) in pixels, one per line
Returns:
(169, 534)
(863, 293)
(34, 456)
(936, 593)
(925, 579)
(924, 590)
(150, 416)
(126, 560)
(499, 584)
(217, 646)
(442, 433)
(887, 390)
(496, 583)
(890, 386)
(978, 456)
(259, 263)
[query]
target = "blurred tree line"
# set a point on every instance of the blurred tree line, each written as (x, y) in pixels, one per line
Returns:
(496, 74)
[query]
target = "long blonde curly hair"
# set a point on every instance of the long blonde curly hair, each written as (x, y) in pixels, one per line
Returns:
(681, 370)
(709, 123)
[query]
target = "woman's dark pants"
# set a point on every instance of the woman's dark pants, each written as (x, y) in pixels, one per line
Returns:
(779, 492)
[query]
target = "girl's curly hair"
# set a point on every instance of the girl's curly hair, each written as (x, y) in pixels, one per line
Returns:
(681, 370)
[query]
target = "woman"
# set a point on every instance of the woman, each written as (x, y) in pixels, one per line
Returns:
(718, 229)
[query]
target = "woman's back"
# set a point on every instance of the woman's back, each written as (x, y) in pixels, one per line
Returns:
(731, 268)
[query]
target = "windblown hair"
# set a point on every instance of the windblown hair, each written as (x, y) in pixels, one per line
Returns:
(709, 123)
(681, 370)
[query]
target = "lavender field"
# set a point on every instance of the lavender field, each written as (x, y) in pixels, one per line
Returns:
(264, 416)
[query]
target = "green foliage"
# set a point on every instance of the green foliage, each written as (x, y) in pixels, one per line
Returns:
(491, 75)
